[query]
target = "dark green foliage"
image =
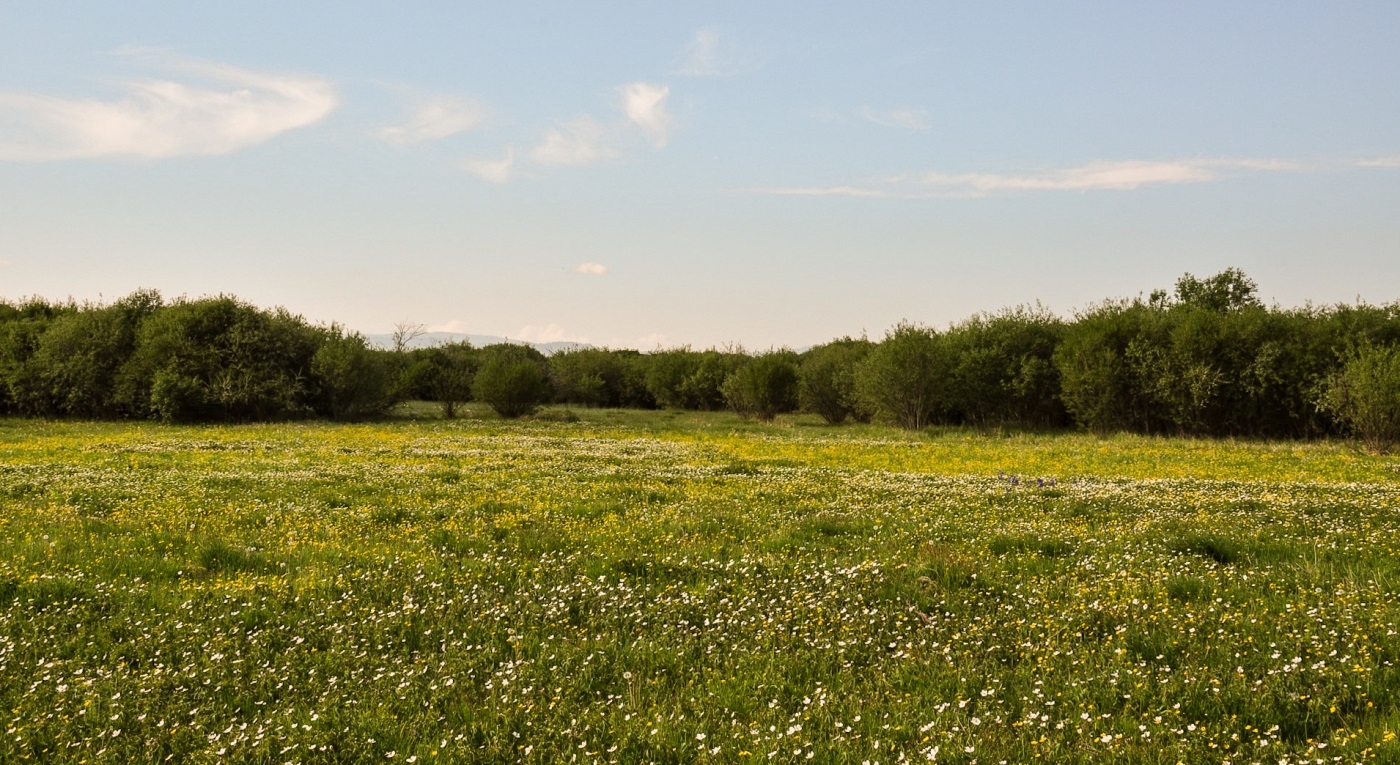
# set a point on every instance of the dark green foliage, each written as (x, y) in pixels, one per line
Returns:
(1365, 395)
(765, 387)
(220, 359)
(907, 377)
(1214, 362)
(512, 380)
(686, 379)
(443, 374)
(826, 380)
(1229, 290)
(600, 377)
(1101, 360)
(76, 364)
(1206, 359)
(24, 390)
(353, 380)
(1005, 371)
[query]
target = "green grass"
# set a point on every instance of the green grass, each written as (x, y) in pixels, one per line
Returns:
(608, 586)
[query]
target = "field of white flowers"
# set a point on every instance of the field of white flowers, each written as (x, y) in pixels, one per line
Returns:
(690, 590)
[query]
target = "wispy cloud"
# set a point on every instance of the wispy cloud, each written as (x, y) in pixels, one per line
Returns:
(709, 55)
(1393, 161)
(591, 269)
(211, 109)
(580, 142)
(645, 106)
(1093, 176)
(913, 120)
(435, 119)
(492, 170)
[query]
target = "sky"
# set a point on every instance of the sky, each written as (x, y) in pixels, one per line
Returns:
(657, 174)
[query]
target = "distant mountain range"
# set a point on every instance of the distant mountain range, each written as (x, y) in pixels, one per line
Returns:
(429, 339)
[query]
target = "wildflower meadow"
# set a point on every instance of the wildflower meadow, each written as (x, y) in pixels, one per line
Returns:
(689, 587)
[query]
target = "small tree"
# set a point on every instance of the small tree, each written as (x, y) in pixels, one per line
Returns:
(765, 387)
(906, 377)
(405, 332)
(1365, 395)
(826, 383)
(451, 375)
(512, 380)
(353, 380)
(1229, 290)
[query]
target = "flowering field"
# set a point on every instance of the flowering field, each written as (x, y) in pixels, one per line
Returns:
(690, 588)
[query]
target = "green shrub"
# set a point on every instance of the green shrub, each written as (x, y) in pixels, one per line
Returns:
(599, 377)
(765, 387)
(1004, 371)
(1365, 395)
(686, 379)
(220, 359)
(906, 377)
(352, 378)
(452, 375)
(512, 380)
(826, 380)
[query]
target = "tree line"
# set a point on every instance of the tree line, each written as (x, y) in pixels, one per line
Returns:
(1207, 359)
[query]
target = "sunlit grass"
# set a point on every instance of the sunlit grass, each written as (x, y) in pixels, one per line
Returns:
(676, 587)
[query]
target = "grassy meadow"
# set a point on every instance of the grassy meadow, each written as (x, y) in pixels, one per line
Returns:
(680, 587)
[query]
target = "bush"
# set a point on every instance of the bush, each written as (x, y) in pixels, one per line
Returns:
(826, 380)
(1107, 361)
(765, 387)
(23, 389)
(78, 358)
(220, 359)
(906, 377)
(512, 380)
(686, 379)
(599, 377)
(353, 379)
(442, 373)
(1365, 395)
(1004, 371)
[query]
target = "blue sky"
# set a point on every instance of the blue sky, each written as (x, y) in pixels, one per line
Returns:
(653, 174)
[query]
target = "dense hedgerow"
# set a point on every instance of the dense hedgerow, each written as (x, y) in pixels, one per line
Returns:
(1208, 359)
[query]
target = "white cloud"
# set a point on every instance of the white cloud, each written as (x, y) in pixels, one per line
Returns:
(645, 106)
(435, 119)
(707, 55)
(913, 120)
(1093, 176)
(492, 170)
(591, 269)
(230, 109)
(1380, 162)
(580, 142)
(551, 333)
